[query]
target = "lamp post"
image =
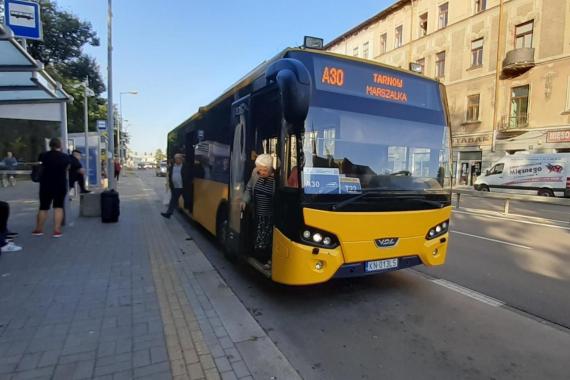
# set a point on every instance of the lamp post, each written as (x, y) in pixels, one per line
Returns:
(110, 116)
(86, 93)
(121, 122)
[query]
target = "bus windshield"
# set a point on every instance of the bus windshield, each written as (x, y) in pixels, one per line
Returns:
(346, 152)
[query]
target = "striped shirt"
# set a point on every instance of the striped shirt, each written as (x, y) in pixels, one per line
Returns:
(263, 195)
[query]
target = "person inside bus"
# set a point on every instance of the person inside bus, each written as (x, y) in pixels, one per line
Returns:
(259, 193)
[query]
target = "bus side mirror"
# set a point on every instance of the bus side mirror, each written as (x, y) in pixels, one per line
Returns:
(294, 82)
(487, 172)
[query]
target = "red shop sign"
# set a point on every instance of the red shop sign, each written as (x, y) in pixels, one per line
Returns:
(558, 136)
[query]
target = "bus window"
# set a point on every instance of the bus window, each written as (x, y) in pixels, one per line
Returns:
(290, 169)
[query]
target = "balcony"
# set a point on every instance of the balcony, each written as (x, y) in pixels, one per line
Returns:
(510, 123)
(517, 62)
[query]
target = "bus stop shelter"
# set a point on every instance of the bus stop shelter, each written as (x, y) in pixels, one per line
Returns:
(27, 92)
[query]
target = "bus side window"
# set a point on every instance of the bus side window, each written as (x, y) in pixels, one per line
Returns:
(290, 168)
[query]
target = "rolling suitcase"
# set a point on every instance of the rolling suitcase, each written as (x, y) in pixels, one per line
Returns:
(110, 206)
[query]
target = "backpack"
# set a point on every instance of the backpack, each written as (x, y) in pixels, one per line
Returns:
(36, 174)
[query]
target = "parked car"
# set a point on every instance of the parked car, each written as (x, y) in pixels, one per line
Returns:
(162, 169)
(539, 174)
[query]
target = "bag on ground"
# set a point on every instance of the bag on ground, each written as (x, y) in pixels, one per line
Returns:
(110, 206)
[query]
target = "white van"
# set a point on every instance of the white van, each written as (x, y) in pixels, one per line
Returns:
(543, 174)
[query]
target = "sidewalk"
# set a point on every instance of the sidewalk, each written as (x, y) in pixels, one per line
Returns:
(136, 299)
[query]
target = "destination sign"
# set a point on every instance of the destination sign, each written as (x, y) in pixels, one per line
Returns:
(369, 81)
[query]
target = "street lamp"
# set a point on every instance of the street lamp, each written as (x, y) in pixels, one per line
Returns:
(86, 93)
(121, 123)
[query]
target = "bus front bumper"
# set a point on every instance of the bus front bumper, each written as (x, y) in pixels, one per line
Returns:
(300, 264)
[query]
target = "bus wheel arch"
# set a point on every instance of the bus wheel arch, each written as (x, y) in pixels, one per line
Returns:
(484, 187)
(545, 192)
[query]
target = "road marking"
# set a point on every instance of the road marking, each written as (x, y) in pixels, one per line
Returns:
(486, 214)
(469, 293)
(493, 240)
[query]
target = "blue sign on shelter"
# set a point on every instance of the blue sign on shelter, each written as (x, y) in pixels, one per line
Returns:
(23, 17)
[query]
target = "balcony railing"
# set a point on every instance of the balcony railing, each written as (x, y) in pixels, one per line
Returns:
(518, 61)
(514, 122)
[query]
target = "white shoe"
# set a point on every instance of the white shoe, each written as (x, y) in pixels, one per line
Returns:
(11, 247)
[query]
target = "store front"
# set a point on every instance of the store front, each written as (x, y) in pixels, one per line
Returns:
(468, 157)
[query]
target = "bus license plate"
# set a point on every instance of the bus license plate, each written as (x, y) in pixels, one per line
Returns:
(372, 266)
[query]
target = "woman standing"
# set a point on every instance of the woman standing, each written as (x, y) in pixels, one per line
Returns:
(260, 189)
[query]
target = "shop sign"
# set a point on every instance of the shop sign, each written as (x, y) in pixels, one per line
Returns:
(471, 140)
(558, 136)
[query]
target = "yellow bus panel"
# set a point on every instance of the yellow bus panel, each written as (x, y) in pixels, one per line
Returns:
(208, 195)
(296, 264)
(357, 231)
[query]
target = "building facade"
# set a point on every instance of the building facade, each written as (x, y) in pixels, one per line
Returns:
(505, 64)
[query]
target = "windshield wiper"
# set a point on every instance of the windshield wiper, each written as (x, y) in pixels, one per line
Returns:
(387, 194)
(341, 204)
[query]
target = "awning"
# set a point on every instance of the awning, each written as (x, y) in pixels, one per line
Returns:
(26, 89)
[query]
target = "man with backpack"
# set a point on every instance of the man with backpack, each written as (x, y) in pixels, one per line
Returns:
(53, 187)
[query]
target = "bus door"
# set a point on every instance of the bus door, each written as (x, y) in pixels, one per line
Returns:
(188, 174)
(239, 165)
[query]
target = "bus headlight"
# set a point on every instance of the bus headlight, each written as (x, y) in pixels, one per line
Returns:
(318, 238)
(438, 230)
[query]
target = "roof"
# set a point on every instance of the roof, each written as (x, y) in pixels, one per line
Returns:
(372, 20)
(260, 69)
(22, 78)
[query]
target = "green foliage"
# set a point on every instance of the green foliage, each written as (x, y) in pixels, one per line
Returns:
(65, 35)
(159, 156)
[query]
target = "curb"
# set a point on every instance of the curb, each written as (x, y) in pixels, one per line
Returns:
(261, 355)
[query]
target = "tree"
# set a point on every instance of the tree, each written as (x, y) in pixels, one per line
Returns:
(159, 156)
(65, 35)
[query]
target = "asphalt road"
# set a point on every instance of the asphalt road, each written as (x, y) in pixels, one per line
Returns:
(419, 324)
(537, 210)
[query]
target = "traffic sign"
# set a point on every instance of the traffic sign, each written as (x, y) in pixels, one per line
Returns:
(23, 17)
(102, 125)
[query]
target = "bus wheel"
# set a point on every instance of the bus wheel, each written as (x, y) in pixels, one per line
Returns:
(222, 226)
(484, 188)
(545, 193)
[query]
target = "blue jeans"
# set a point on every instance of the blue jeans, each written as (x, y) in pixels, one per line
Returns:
(175, 195)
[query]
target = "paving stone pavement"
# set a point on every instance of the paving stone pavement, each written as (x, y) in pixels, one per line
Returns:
(131, 300)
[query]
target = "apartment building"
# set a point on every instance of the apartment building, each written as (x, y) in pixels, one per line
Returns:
(505, 64)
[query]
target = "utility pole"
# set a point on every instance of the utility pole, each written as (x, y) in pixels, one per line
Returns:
(110, 116)
(86, 93)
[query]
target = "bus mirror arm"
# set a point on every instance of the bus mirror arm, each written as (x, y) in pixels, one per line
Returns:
(294, 82)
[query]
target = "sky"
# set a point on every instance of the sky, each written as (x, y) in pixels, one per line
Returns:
(181, 54)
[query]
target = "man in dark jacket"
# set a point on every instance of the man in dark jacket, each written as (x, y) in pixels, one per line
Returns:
(176, 174)
(53, 187)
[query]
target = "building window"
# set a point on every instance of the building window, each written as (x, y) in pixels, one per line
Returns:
(442, 19)
(355, 51)
(477, 52)
(523, 35)
(440, 65)
(423, 25)
(422, 63)
(365, 50)
(398, 40)
(519, 107)
(472, 108)
(383, 43)
(480, 5)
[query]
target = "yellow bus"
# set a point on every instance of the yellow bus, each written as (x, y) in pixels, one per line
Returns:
(361, 155)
